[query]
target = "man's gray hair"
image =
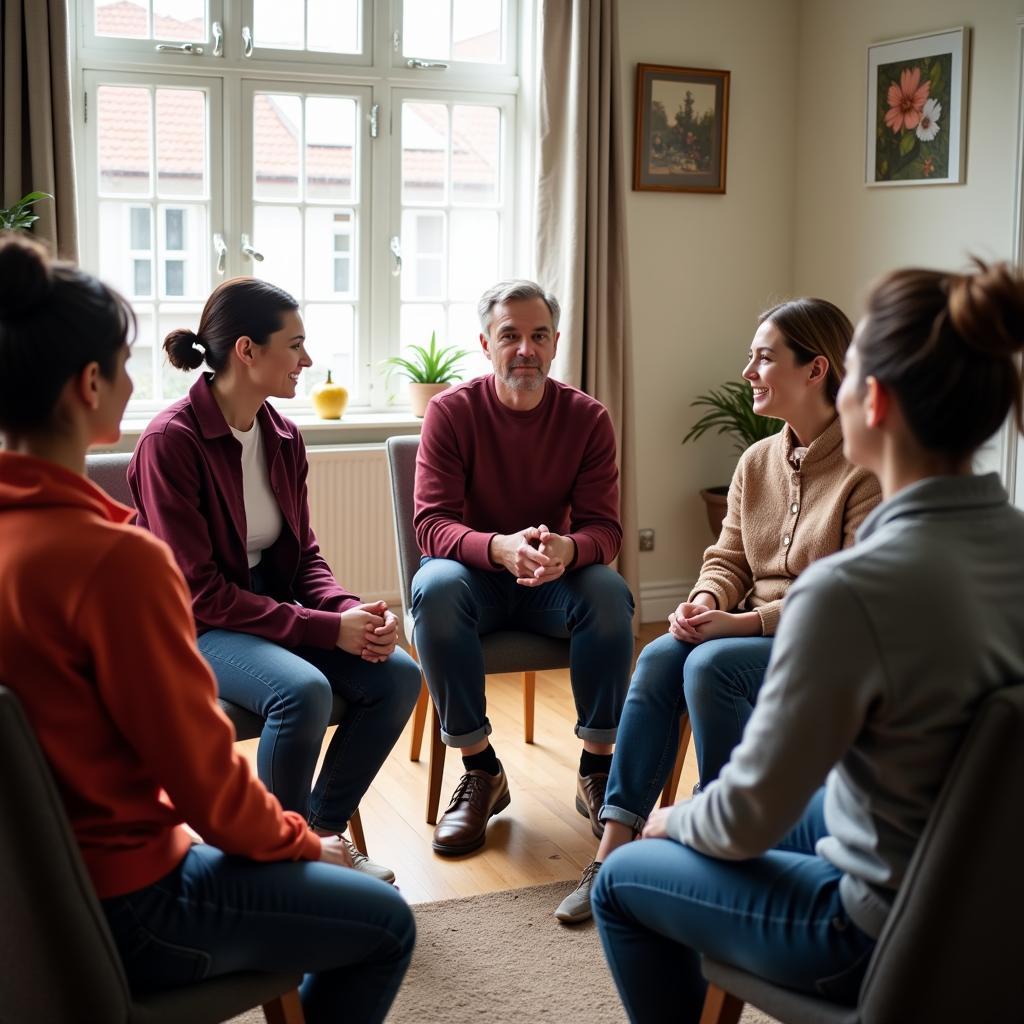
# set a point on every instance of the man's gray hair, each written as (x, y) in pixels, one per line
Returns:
(515, 291)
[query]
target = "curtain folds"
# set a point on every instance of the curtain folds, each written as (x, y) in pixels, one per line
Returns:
(581, 231)
(35, 117)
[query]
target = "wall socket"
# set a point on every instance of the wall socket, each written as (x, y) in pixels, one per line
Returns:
(646, 540)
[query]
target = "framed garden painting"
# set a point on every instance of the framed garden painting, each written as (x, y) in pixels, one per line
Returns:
(682, 126)
(916, 110)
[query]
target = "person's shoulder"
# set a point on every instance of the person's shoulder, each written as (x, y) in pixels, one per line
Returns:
(576, 403)
(464, 398)
(760, 453)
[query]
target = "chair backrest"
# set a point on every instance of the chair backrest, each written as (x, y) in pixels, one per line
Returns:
(59, 958)
(402, 472)
(950, 950)
(110, 471)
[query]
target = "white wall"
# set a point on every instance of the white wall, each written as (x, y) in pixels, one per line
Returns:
(702, 266)
(797, 217)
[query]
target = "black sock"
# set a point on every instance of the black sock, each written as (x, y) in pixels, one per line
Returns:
(487, 760)
(595, 764)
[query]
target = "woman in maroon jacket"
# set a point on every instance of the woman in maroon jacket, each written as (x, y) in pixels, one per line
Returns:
(221, 477)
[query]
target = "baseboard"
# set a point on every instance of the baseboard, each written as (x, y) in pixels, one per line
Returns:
(660, 597)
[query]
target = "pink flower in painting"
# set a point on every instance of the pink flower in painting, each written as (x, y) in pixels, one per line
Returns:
(906, 100)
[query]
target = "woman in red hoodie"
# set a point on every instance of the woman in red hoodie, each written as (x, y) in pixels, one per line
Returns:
(97, 639)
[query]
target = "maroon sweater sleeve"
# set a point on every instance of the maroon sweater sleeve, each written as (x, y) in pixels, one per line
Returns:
(595, 526)
(441, 531)
(165, 484)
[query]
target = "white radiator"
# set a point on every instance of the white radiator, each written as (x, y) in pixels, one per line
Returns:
(350, 510)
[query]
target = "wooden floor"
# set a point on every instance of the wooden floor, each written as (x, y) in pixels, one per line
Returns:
(539, 838)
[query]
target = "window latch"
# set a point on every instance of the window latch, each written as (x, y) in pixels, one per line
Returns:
(221, 249)
(396, 252)
(374, 120)
(250, 251)
(218, 39)
(426, 65)
(246, 41)
(179, 48)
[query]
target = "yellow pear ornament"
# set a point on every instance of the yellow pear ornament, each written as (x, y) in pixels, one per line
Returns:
(329, 399)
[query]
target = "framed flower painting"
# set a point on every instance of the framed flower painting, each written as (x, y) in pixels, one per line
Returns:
(917, 99)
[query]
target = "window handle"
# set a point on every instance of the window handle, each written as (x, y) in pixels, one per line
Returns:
(425, 65)
(396, 251)
(250, 251)
(179, 48)
(222, 252)
(246, 41)
(218, 40)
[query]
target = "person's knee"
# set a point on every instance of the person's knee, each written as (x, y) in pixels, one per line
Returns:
(659, 669)
(706, 678)
(403, 682)
(397, 920)
(605, 594)
(439, 589)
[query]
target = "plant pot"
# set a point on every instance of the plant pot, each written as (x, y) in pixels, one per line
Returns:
(421, 394)
(715, 503)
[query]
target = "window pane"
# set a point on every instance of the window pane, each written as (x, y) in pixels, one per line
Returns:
(476, 31)
(424, 152)
(324, 228)
(143, 278)
(128, 19)
(180, 20)
(279, 24)
(330, 148)
(140, 365)
(277, 126)
(330, 342)
(333, 26)
(464, 332)
(175, 221)
(125, 160)
(473, 261)
(342, 275)
(181, 142)
(277, 234)
(475, 133)
(174, 271)
(140, 230)
(426, 28)
(423, 248)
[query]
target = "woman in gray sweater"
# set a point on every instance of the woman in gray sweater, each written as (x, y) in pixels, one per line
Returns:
(882, 656)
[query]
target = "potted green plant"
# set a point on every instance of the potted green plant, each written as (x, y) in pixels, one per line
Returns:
(428, 370)
(20, 217)
(730, 412)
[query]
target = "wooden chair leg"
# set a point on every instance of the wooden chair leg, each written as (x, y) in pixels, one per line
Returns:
(436, 770)
(355, 830)
(419, 719)
(668, 794)
(721, 1007)
(286, 1009)
(529, 702)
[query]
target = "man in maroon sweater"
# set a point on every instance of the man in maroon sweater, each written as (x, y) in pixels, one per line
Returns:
(517, 514)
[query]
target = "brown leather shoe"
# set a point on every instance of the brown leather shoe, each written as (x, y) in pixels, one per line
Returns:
(476, 799)
(590, 798)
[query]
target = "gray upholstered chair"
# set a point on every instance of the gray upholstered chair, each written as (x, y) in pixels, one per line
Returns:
(950, 951)
(59, 960)
(504, 651)
(110, 471)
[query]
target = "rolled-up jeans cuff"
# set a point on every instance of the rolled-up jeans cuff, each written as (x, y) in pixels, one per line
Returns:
(611, 813)
(596, 735)
(469, 738)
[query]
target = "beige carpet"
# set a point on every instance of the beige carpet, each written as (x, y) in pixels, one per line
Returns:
(502, 958)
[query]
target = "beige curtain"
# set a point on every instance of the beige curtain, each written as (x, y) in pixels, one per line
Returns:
(35, 117)
(581, 237)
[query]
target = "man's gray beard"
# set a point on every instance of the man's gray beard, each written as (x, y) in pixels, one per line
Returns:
(517, 382)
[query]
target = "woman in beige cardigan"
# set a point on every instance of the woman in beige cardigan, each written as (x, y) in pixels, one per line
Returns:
(794, 498)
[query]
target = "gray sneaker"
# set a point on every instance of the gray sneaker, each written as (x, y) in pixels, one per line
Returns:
(360, 862)
(575, 908)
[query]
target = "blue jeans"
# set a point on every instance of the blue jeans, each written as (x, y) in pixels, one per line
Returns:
(453, 605)
(716, 681)
(660, 905)
(214, 914)
(293, 690)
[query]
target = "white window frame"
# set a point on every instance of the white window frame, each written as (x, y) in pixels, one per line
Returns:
(375, 75)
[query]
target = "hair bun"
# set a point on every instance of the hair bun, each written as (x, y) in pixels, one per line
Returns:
(986, 308)
(184, 349)
(25, 278)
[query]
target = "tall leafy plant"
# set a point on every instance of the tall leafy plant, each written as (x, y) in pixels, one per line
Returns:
(730, 412)
(428, 366)
(20, 217)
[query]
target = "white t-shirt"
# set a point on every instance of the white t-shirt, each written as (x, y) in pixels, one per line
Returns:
(262, 513)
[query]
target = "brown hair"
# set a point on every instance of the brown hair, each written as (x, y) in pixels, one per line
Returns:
(945, 345)
(814, 327)
(54, 320)
(236, 308)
